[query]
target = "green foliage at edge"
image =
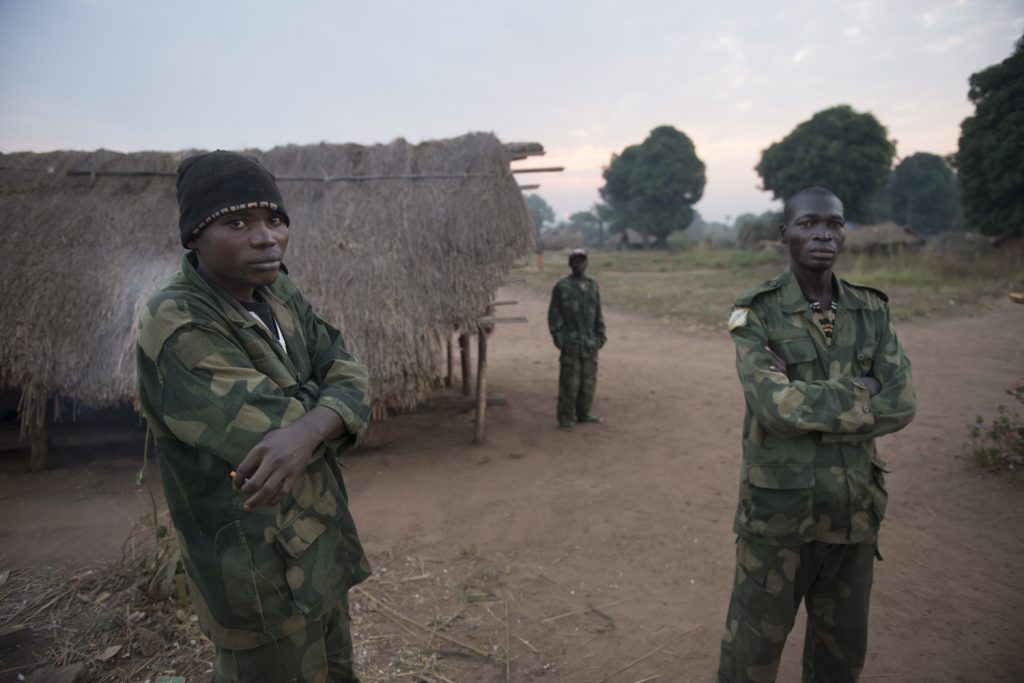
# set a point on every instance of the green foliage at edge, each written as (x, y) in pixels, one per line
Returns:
(838, 148)
(991, 155)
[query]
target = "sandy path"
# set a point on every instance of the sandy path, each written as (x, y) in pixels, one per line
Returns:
(635, 515)
(641, 508)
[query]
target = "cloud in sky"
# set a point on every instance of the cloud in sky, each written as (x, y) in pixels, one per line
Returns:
(585, 78)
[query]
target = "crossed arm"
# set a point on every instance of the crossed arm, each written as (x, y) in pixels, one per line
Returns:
(848, 409)
(214, 398)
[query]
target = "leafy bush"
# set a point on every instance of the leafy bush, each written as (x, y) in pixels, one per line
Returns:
(999, 445)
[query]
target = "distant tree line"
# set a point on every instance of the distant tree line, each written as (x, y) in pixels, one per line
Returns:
(981, 186)
(652, 186)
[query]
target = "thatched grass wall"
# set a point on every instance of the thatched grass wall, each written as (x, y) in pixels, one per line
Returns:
(396, 244)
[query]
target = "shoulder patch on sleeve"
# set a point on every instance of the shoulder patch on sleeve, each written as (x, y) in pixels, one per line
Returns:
(738, 317)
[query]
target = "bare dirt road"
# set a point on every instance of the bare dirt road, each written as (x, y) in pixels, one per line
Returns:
(614, 541)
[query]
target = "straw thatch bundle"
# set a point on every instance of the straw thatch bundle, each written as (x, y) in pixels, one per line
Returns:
(398, 245)
(885, 237)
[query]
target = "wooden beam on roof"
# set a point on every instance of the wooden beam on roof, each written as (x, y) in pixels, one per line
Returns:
(529, 187)
(521, 150)
(543, 169)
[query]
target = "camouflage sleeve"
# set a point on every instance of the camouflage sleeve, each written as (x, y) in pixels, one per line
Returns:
(213, 398)
(342, 380)
(790, 407)
(555, 323)
(895, 405)
(599, 320)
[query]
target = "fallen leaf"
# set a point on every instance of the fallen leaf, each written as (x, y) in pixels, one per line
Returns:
(109, 652)
(101, 597)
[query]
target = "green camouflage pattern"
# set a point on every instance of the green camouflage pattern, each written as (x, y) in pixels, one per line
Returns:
(577, 384)
(212, 382)
(771, 582)
(811, 471)
(574, 317)
(577, 328)
(319, 653)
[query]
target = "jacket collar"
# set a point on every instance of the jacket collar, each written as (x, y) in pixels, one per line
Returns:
(794, 301)
(231, 309)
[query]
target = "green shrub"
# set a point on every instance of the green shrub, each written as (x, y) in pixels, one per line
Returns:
(999, 445)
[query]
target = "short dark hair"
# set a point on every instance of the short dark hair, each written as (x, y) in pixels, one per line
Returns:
(787, 209)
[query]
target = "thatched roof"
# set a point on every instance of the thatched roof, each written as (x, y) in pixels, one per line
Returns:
(882, 236)
(631, 237)
(963, 243)
(565, 238)
(396, 244)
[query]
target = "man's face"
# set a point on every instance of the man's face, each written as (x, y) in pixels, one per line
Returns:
(578, 265)
(815, 232)
(242, 250)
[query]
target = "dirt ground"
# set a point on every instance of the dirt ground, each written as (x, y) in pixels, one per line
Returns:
(592, 549)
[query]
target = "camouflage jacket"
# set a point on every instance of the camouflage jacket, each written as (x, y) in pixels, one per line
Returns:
(811, 471)
(212, 382)
(574, 317)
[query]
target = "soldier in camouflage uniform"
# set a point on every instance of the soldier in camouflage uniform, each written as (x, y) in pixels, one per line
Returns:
(251, 397)
(577, 328)
(823, 374)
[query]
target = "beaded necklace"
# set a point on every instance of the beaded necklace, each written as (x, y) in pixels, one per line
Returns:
(826, 319)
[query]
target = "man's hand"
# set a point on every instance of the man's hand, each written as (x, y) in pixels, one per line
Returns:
(270, 469)
(777, 365)
(873, 385)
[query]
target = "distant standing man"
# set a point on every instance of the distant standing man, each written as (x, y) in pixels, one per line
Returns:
(251, 397)
(577, 328)
(823, 374)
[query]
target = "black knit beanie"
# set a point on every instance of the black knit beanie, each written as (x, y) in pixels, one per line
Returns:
(215, 183)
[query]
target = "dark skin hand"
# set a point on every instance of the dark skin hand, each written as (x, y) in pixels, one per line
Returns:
(779, 365)
(270, 469)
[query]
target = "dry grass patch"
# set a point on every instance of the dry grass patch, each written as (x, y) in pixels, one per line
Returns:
(415, 619)
(697, 287)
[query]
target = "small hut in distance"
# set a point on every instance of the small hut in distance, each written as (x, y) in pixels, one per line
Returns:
(883, 238)
(398, 245)
(631, 239)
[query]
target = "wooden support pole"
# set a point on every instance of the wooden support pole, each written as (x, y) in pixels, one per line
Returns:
(522, 150)
(466, 371)
(544, 169)
(481, 383)
(37, 446)
(491, 320)
(450, 378)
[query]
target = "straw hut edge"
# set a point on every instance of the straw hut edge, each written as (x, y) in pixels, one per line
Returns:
(398, 245)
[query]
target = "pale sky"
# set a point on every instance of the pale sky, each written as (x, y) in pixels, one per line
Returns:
(583, 77)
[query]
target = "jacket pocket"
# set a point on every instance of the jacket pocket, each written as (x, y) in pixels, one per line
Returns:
(795, 350)
(777, 500)
(235, 563)
(313, 549)
(865, 358)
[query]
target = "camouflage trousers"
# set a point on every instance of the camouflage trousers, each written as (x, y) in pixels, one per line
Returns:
(320, 653)
(577, 383)
(771, 581)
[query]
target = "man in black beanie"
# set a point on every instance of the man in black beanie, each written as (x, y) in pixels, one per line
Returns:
(251, 398)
